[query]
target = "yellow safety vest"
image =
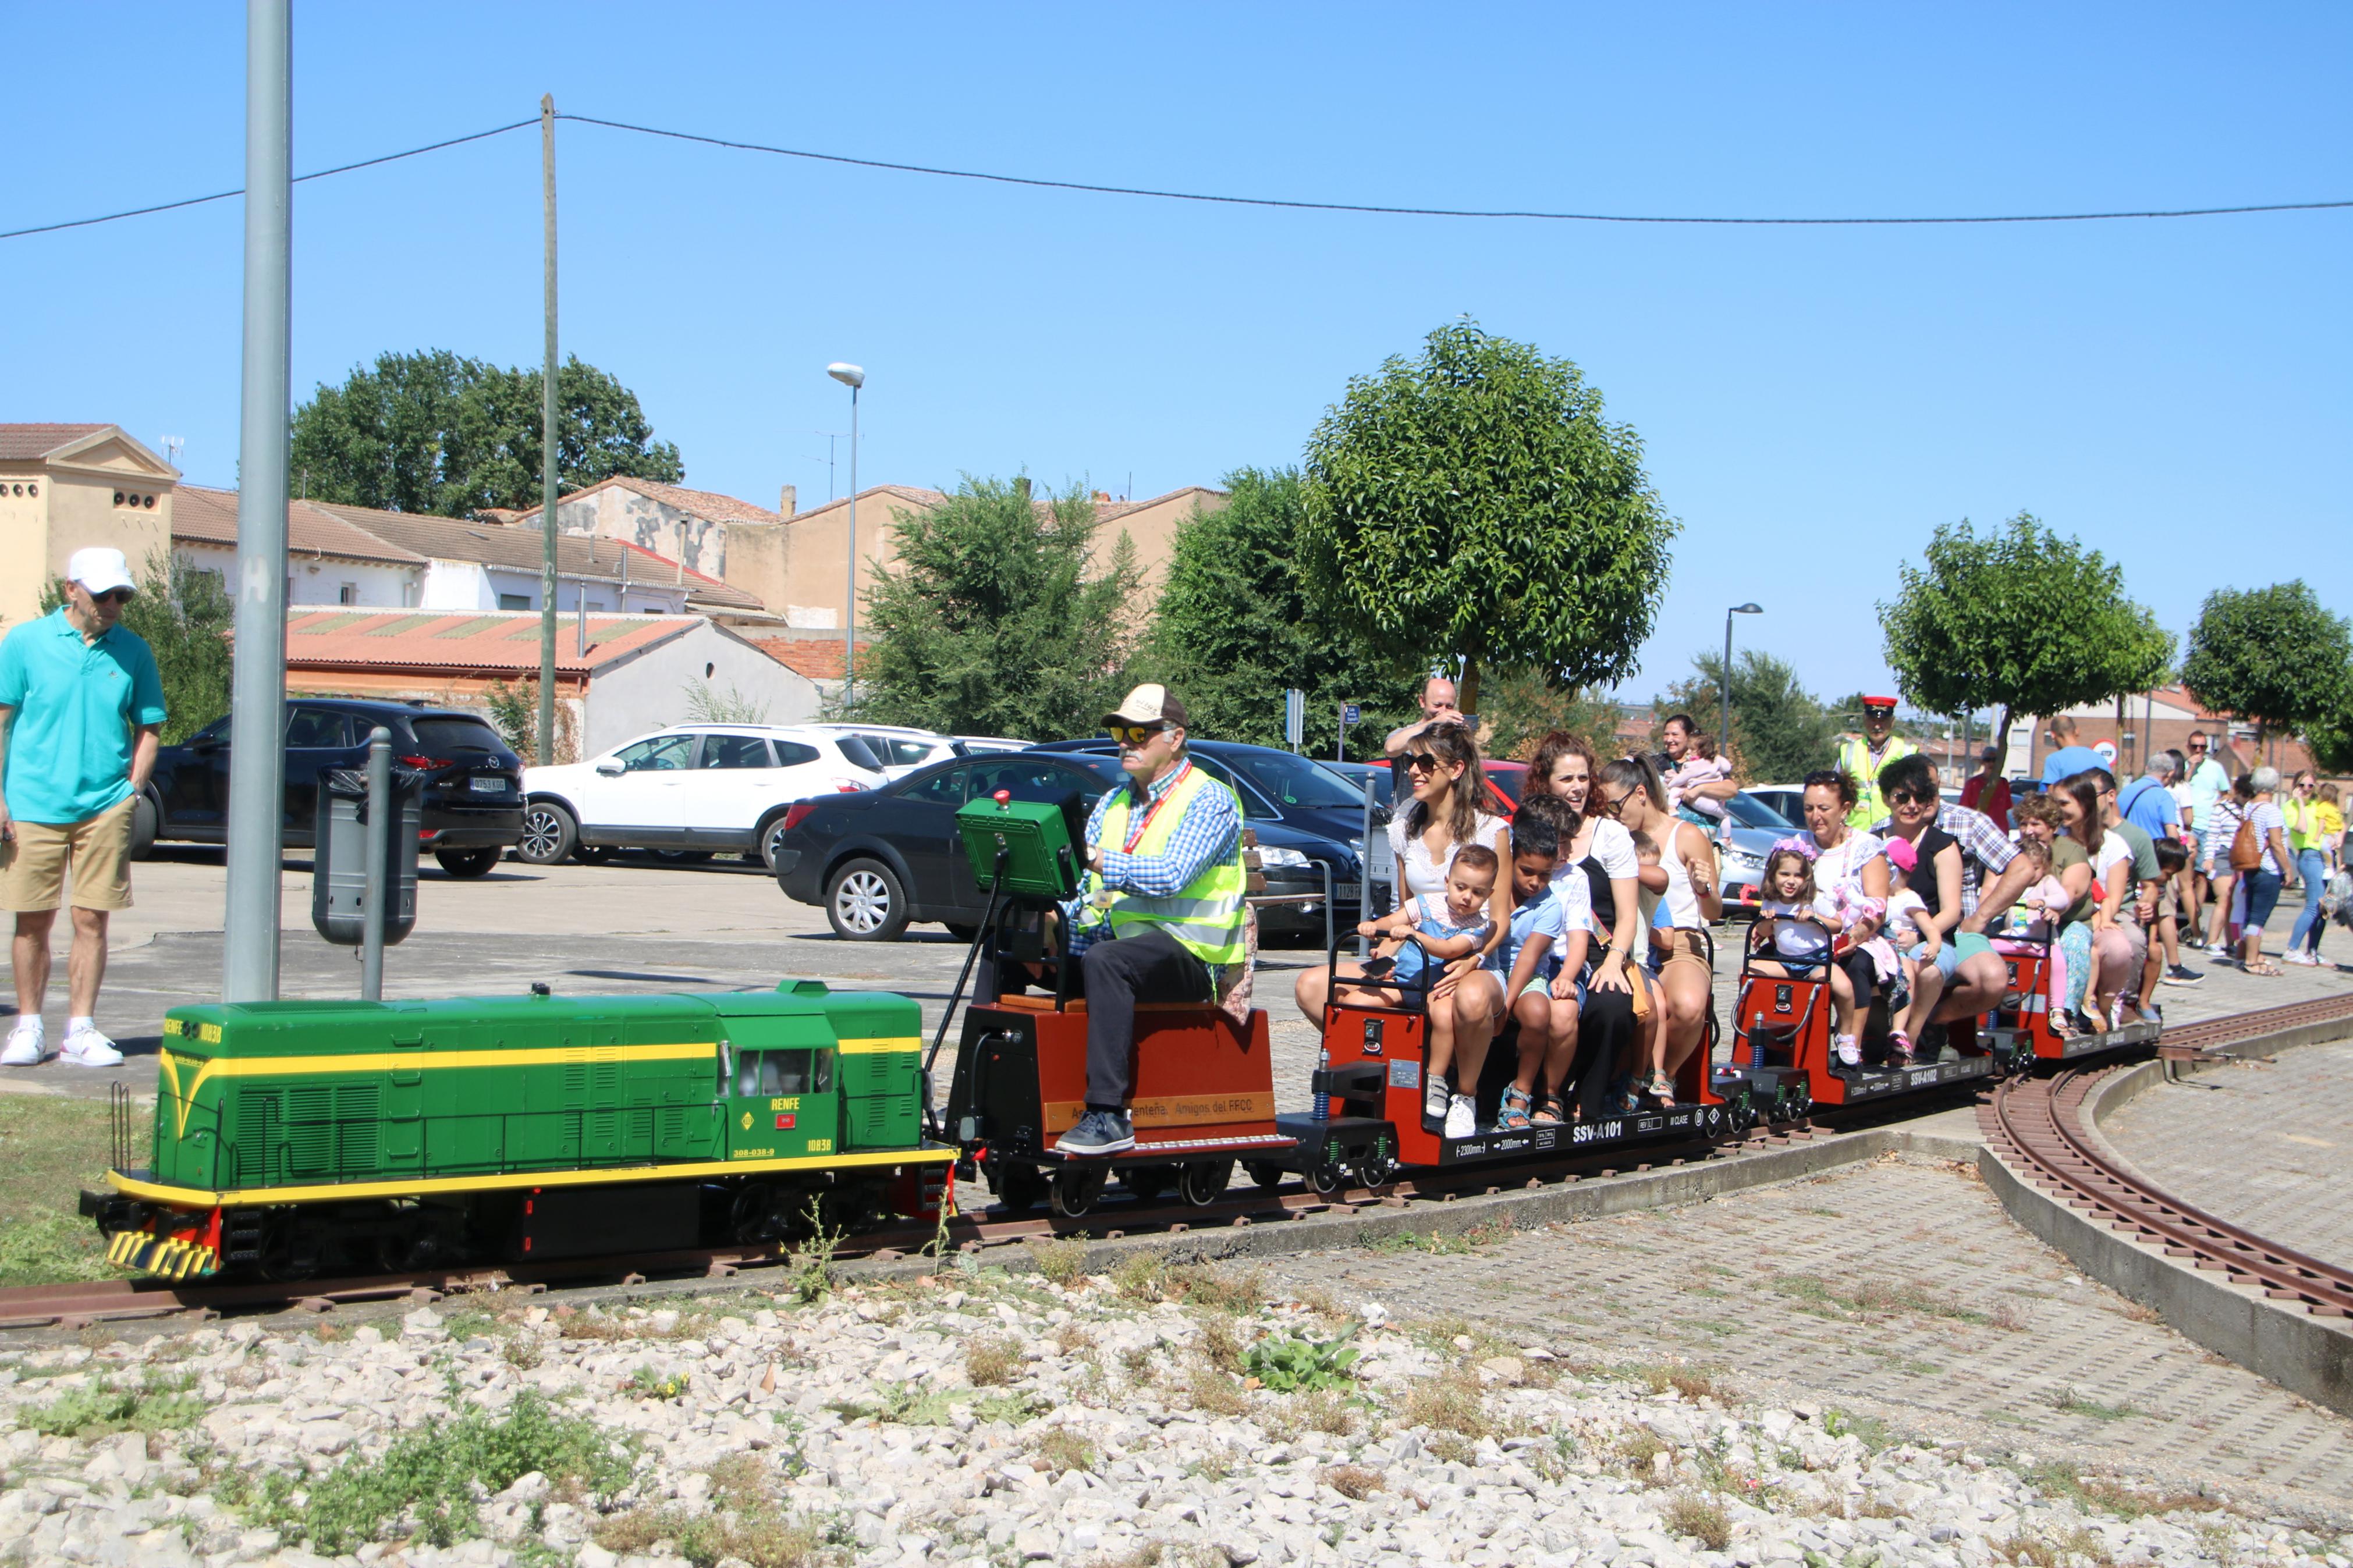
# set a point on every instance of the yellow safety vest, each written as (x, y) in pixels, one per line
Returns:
(1854, 756)
(1205, 915)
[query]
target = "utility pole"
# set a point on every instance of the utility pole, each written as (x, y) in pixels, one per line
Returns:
(547, 443)
(257, 795)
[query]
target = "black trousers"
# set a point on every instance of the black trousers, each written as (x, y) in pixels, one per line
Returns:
(1605, 1043)
(1147, 965)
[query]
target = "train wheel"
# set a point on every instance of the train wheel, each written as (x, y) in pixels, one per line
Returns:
(1266, 1173)
(1739, 1115)
(288, 1256)
(1145, 1183)
(1018, 1187)
(1327, 1176)
(752, 1217)
(1376, 1170)
(1204, 1182)
(1076, 1193)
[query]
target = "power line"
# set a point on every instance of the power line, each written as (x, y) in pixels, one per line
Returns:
(1224, 200)
(314, 174)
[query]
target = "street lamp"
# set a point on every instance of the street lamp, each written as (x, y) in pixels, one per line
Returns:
(852, 377)
(1724, 731)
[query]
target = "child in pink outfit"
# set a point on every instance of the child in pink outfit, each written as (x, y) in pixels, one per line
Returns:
(1698, 767)
(2035, 918)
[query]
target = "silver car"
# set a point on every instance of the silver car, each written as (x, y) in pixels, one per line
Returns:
(1750, 827)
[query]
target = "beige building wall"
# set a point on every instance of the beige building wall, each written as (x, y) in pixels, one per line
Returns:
(800, 568)
(70, 502)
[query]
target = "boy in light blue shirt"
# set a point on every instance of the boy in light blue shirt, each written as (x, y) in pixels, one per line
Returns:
(1525, 963)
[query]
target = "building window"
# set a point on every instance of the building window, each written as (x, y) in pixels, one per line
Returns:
(595, 606)
(514, 601)
(349, 593)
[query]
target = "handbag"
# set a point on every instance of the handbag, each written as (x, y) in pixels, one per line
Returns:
(2246, 847)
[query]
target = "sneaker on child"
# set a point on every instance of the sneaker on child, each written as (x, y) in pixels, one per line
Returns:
(1462, 1117)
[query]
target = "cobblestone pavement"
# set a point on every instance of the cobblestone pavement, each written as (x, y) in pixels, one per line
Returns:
(1898, 1290)
(2267, 1146)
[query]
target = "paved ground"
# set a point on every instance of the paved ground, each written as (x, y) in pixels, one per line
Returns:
(2267, 1146)
(1898, 1290)
(642, 926)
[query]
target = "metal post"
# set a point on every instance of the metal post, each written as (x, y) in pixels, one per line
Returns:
(383, 820)
(547, 453)
(1365, 870)
(850, 612)
(1723, 729)
(257, 729)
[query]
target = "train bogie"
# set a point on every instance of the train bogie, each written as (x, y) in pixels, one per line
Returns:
(1783, 1042)
(2024, 1015)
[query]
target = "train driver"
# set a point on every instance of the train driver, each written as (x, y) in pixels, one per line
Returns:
(1160, 916)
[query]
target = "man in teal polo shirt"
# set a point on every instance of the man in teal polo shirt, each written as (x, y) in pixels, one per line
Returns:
(81, 703)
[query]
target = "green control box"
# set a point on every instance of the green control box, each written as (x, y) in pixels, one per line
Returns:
(1033, 837)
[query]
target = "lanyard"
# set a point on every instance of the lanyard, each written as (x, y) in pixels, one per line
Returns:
(1153, 810)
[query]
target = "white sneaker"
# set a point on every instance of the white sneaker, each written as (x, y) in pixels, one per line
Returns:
(2297, 955)
(86, 1047)
(1462, 1117)
(28, 1046)
(1849, 1051)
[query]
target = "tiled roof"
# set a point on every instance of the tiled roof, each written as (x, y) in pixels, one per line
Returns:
(915, 493)
(203, 515)
(819, 658)
(577, 555)
(499, 643)
(701, 586)
(707, 504)
(19, 443)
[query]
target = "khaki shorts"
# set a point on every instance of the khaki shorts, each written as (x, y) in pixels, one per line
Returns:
(33, 867)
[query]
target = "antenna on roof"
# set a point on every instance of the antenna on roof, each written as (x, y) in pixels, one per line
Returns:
(173, 446)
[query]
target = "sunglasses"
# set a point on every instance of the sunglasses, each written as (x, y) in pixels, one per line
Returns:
(111, 596)
(1421, 762)
(1612, 807)
(2196, 745)
(1136, 734)
(1905, 797)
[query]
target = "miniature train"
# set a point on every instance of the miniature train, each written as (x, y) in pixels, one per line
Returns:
(296, 1138)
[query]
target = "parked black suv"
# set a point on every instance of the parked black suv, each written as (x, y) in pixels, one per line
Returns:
(472, 809)
(877, 858)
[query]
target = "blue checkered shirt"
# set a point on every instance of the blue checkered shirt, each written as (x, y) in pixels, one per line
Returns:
(1207, 833)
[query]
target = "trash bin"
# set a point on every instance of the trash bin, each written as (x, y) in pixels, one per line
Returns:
(339, 863)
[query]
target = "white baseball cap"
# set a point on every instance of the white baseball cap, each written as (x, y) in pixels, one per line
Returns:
(101, 571)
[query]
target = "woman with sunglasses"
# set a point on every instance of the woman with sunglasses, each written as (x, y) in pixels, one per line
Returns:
(1602, 853)
(1448, 811)
(1851, 879)
(2309, 842)
(1688, 905)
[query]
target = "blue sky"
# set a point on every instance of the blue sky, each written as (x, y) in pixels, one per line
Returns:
(1813, 401)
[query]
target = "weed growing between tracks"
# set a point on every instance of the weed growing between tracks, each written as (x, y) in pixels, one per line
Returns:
(160, 1403)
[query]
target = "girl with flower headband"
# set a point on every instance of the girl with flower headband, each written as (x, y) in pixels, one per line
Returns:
(1791, 926)
(1851, 887)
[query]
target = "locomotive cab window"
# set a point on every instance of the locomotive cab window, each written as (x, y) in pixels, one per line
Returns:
(783, 1072)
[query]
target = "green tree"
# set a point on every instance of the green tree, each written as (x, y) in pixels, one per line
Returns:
(438, 433)
(1520, 705)
(1781, 731)
(1239, 623)
(2272, 655)
(2018, 619)
(185, 615)
(1476, 503)
(991, 622)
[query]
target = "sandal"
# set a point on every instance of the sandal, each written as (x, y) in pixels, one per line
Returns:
(1512, 1116)
(2264, 966)
(1661, 1089)
(1549, 1111)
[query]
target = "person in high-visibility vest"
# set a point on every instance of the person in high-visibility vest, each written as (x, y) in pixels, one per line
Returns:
(1160, 916)
(1861, 757)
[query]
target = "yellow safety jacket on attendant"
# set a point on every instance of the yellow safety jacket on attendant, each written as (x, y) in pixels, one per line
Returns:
(1854, 756)
(1205, 915)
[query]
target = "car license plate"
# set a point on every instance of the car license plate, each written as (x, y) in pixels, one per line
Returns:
(481, 786)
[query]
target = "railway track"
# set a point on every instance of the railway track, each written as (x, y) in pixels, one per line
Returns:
(2023, 1114)
(2039, 1122)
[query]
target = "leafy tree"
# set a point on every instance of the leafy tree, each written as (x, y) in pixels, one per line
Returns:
(1474, 502)
(186, 616)
(1781, 731)
(1520, 705)
(991, 624)
(2272, 655)
(2018, 619)
(436, 432)
(1239, 623)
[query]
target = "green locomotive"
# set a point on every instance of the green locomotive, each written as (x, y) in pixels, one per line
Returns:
(293, 1138)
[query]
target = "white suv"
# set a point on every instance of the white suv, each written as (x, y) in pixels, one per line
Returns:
(688, 792)
(900, 748)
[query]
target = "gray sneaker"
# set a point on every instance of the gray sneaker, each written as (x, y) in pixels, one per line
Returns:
(1098, 1133)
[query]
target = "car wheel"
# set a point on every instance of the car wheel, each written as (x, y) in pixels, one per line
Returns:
(864, 902)
(469, 863)
(772, 838)
(143, 824)
(549, 834)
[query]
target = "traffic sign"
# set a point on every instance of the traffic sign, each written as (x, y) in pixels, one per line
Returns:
(1350, 712)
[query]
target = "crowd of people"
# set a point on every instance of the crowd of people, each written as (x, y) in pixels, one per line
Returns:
(1583, 916)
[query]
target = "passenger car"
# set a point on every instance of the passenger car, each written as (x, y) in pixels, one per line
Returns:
(1751, 827)
(901, 750)
(692, 789)
(471, 812)
(878, 860)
